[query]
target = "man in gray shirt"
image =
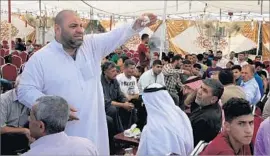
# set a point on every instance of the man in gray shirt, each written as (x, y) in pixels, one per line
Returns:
(13, 118)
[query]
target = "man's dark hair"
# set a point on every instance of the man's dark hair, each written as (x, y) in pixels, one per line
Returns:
(128, 63)
(219, 51)
(217, 87)
(176, 58)
(238, 67)
(236, 107)
(260, 73)
(163, 55)
(29, 41)
(108, 65)
(258, 64)
(186, 62)
(186, 57)
(157, 62)
(170, 54)
(225, 76)
(140, 69)
(231, 62)
(242, 53)
(144, 36)
(19, 40)
(166, 58)
(196, 65)
(200, 57)
(124, 58)
(258, 56)
(249, 61)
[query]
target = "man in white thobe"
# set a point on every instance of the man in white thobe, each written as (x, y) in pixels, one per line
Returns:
(168, 129)
(69, 67)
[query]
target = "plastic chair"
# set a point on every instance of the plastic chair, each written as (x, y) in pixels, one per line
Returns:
(16, 60)
(9, 72)
(23, 56)
(129, 54)
(199, 148)
(2, 52)
(136, 55)
(2, 61)
(4, 42)
(15, 53)
(135, 59)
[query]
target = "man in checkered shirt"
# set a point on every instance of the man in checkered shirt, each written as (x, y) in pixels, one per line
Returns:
(172, 77)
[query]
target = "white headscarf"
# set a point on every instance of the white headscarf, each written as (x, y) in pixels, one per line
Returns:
(168, 128)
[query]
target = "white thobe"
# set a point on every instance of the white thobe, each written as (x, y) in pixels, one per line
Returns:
(148, 78)
(222, 63)
(168, 129)
(61, 144)
(51, 71)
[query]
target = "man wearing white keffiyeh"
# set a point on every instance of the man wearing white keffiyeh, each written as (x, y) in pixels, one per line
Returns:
(168, 128)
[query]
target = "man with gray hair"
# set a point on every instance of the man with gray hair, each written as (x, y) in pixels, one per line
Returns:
(206, 118)
(47, 122)
(117, 107)
(249, 85)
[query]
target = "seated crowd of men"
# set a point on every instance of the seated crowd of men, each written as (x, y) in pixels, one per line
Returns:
(209, 97)
(199, 84)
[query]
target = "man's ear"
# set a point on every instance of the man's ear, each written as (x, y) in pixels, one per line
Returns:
(227, 126)
(214, 99)
(57, 28)
(42, 127)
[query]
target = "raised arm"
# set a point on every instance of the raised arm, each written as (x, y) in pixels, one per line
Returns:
(103, 44)
(31, 82)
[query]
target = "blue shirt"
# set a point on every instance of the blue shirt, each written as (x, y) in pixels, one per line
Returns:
(238, 81)
(252, 91)
(260, 83)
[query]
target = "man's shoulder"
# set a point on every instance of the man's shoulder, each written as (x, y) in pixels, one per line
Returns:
(43, 53)
(219, 146)
(146, 73)
(7, 96)
(82, 142)
(120, 76)
(141, 45)
(265, 124)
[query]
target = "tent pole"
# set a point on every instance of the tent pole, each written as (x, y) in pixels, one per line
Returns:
(258, 42)
(163, 34)
(111, 21)
(10, 27)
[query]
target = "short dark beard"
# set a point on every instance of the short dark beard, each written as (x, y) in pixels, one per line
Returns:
(69, 44)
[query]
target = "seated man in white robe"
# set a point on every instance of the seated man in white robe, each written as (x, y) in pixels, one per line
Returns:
(47, 122)
(168, 129)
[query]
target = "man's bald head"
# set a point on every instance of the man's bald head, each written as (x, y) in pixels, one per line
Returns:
(61, 16)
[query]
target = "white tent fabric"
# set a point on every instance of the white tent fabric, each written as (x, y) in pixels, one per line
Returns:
(19, 30)
(135, 8)
(187, 41)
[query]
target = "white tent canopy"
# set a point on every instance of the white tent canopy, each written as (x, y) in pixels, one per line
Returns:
(175, 9)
